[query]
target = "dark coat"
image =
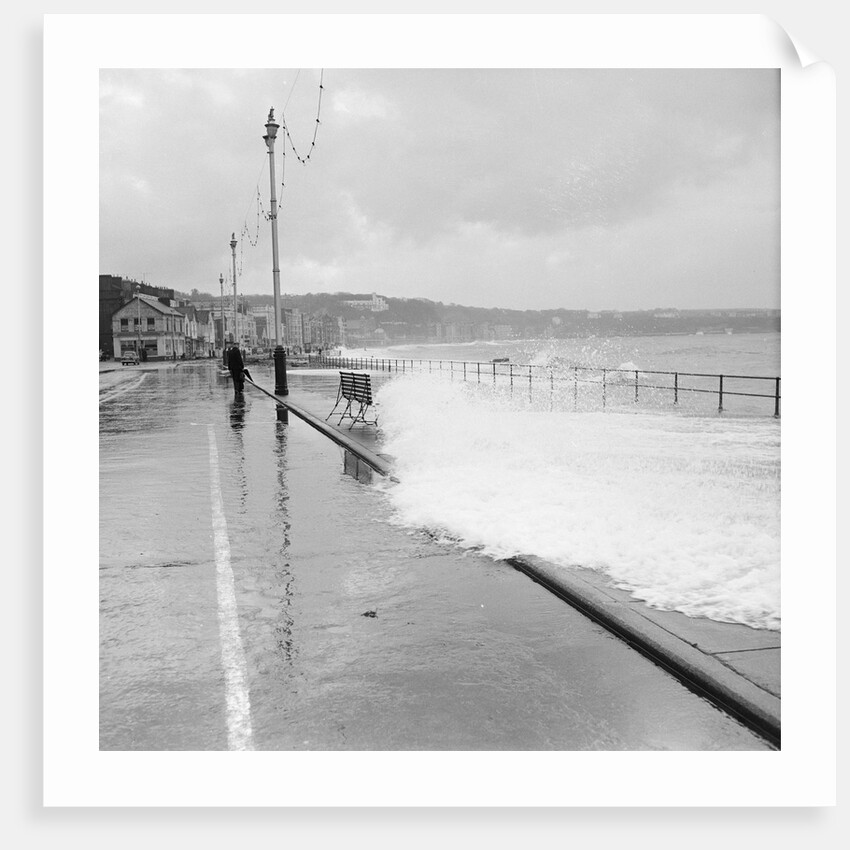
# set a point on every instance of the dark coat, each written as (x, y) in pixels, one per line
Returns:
(234, 362)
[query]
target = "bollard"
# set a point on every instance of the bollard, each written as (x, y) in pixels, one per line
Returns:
(720, 396)
(282, 414)
(281, 386)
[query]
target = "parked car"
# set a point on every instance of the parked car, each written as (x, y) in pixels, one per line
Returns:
(129, 358)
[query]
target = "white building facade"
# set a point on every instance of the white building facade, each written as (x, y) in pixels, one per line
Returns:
(152, 329)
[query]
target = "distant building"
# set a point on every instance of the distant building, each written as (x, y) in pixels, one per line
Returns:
(115, 291)
(293, 328)
(199, 330)
(375, 304)
(146, 324)
(264, 323)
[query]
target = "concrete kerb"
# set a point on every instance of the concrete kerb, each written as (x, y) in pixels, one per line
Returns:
(702, 673)
(149, 366)
(350, 444)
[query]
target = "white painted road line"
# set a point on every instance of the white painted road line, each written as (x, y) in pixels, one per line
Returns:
(121, 390)
(239, 733)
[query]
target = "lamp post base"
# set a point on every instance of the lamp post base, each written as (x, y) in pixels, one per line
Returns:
(280, 385)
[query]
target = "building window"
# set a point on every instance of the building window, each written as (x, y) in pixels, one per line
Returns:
(151, 323)
(124, 324)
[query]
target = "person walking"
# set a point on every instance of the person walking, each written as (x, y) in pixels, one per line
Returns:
(237, 369)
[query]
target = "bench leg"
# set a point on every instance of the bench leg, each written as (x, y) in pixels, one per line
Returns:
(346, 412)
(336, 404)
(357, 418)
(361, 417)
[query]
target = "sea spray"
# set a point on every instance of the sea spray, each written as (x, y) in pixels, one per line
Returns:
(681, 511)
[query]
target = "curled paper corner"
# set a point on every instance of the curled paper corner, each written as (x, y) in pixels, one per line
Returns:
(792, 48)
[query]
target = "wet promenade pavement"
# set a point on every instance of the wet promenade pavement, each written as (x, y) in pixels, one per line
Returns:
(255, 596)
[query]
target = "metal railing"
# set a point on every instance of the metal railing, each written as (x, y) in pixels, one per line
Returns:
(602, 385)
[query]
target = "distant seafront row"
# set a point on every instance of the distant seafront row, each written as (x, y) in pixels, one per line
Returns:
(683, 511)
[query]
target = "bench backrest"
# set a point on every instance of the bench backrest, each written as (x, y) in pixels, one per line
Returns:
(356, 386)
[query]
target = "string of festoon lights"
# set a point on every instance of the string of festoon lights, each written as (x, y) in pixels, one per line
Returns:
(288, 136)
(246, 231)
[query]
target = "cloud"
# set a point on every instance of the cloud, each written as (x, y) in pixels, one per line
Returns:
(531, 187)
(359, 105)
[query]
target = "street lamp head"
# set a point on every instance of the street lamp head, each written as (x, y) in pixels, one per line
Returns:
(233, 242)
(271, 128)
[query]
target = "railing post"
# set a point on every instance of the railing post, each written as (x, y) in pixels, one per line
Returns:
(636, 386)
(464, 371)
(604, 388)
(494, 374)
(575, 387)
(529, 384)
(720, 396)
(676, 388)
(776, 407)
(511, 369)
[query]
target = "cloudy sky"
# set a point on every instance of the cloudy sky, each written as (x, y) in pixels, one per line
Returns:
(526, 189)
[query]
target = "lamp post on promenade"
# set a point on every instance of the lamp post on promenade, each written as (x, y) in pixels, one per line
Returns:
(236, 337)
(233, 331)
(139, 321)
(221, 310)
(280, 385)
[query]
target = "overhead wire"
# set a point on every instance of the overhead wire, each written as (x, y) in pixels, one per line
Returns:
(245, 230)
(303, 160)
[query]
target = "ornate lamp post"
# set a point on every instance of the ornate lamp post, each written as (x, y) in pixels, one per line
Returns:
(236, 337)
(221, 310)
(280, 386)
(139, 321)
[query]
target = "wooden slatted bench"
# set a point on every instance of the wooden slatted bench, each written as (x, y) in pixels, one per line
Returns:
(355, 389)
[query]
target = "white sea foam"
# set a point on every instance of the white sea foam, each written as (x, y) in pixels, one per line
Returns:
(682, 511)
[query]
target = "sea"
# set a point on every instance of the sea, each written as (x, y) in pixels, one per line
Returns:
(543, 453)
